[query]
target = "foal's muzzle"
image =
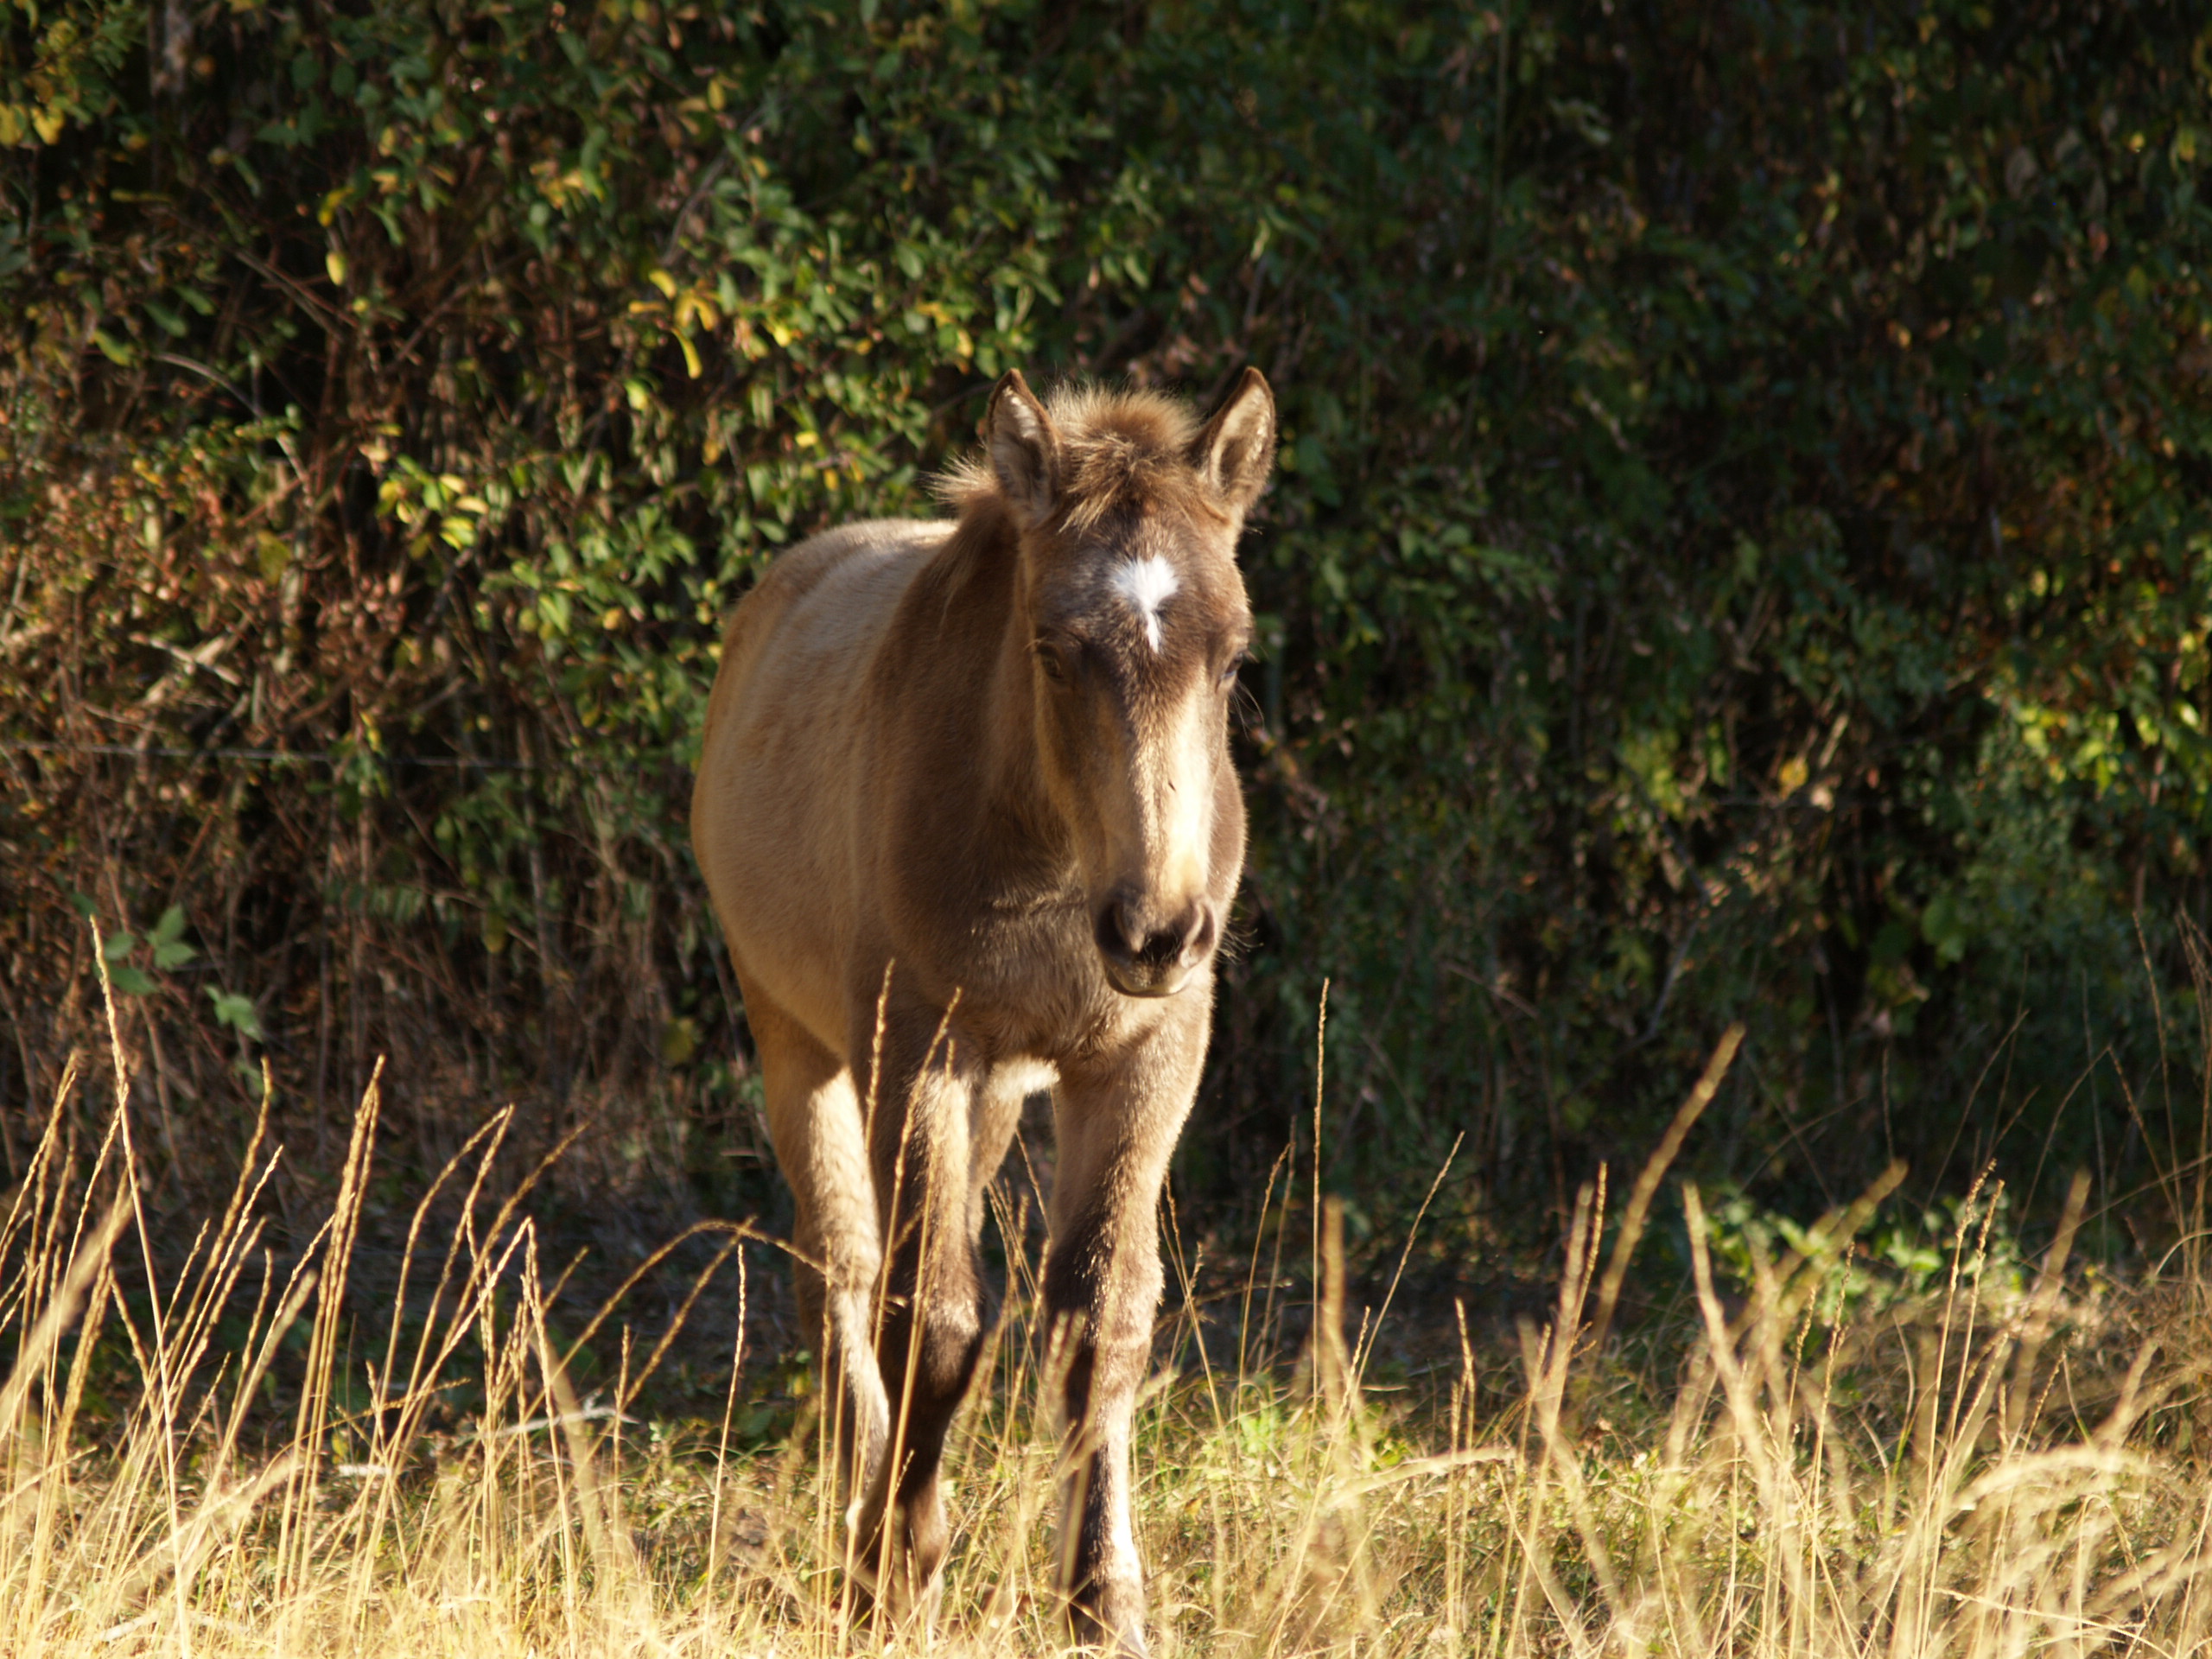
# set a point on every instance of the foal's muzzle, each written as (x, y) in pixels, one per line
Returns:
(1147, 955)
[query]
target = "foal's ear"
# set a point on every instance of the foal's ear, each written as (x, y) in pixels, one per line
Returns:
(1236, 451)
(1019, 435)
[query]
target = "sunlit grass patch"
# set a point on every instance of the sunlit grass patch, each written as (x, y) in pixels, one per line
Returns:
(1839, 1454)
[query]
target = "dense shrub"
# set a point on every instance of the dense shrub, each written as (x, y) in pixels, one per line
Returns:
(1741, 551)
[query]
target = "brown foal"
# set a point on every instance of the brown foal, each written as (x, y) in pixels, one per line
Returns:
(966, 808)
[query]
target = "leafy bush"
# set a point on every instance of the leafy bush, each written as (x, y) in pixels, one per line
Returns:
(1741, 550)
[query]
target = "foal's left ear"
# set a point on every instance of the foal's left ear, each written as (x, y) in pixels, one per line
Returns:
(1236, 451)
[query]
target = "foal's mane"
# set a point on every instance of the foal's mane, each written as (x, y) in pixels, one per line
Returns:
(1117, 452)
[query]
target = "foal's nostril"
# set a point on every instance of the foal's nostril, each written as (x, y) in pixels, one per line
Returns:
(1162, 949)
(1118, 935)
(1203, 927)
(1152, 954)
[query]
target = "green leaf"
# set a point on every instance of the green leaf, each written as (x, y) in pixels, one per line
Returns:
(168, 939)
(120, 352)
(130, 981)
(116, 946)
(1943, 924)
(236, 1011)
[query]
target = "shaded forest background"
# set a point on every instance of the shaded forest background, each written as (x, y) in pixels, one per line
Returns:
(1742, 551)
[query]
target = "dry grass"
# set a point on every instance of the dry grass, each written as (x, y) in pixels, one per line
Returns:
(1994, 1467)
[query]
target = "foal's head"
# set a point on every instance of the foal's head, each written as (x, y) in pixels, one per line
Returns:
(1128, 513)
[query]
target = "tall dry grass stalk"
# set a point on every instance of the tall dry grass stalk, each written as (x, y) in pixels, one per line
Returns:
(1971, 1472)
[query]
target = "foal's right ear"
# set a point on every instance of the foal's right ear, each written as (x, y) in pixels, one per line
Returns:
(1019, 435)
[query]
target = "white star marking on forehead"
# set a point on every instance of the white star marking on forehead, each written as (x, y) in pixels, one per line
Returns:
(1145, 585)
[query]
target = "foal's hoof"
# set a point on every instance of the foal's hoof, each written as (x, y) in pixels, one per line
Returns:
(894, 1601)
(1109, 1625)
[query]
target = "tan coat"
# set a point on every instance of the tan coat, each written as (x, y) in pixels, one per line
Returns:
(966, 810)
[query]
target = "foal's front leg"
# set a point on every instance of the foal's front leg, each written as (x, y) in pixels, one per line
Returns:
(930, 1322)
(1116, 1123)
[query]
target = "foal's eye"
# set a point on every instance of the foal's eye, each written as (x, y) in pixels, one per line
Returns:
(1050, 660)
(1229, 674)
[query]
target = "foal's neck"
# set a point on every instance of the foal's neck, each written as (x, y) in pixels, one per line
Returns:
(1014, 776)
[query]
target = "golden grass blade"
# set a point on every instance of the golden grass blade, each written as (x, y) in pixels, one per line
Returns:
(89, 1261)
(1654, 1171)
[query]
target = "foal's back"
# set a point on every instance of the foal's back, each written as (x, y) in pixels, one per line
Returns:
(786, 765)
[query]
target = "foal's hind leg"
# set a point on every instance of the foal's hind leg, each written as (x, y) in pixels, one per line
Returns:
(814, 1119)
